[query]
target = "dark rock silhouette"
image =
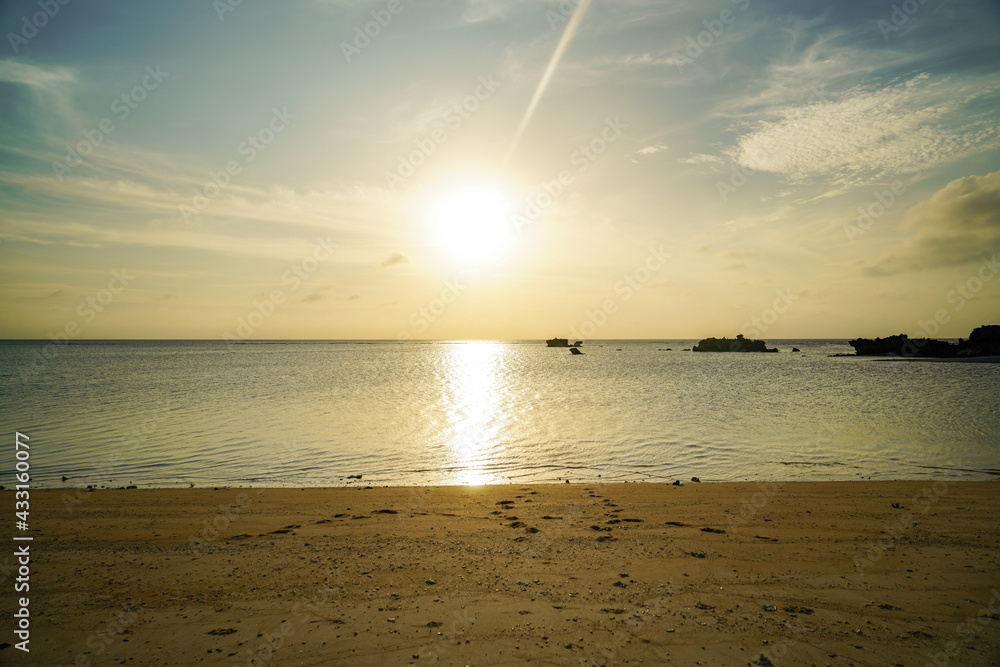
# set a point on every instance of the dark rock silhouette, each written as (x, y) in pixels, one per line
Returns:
(573, 350)
(562, 342)
(795, 349)
(984, 341)
(738, 344)
(902, 345)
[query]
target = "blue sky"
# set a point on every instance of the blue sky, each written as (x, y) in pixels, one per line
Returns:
(830, 169)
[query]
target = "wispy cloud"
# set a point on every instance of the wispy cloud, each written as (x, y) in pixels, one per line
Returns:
(702, 158)
(44, 99)
(650, 150)
(867, 133)
(34, 76)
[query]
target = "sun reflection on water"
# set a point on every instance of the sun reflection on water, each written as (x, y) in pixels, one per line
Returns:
(475, 414)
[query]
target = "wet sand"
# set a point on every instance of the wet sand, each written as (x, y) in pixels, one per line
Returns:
(826, 573)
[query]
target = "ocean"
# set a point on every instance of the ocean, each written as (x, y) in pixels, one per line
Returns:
(320, 413)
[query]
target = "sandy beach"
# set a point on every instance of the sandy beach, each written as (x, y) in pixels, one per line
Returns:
(825, 573)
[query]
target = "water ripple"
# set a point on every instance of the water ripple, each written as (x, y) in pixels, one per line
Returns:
(479, 412)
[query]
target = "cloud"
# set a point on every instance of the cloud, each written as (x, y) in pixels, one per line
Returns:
(314, 297)
(394, 259)
(650, 150)
(702, 158)
(866, 133)
(959, 224)
(673, 59)
(43, 97)
(33, 76)
(269, 211)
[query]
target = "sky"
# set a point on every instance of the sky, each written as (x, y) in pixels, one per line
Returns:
(478, 169)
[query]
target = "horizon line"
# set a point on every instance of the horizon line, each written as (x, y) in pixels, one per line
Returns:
(396, 340)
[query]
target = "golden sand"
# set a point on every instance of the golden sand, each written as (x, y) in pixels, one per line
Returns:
(825, 573)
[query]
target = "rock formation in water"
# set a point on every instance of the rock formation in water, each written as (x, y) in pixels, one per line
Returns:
(562, 342)
(738, 344)
(984, 341)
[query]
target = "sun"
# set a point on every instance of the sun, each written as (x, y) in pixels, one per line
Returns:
(472, 225)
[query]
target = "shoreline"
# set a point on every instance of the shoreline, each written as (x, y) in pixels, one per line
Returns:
(936, 474)
(718, 572)
(991, 359)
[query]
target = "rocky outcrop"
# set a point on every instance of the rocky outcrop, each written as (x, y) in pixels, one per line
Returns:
(983, 341)
(738, 344)
(902, 345)
(562, 342)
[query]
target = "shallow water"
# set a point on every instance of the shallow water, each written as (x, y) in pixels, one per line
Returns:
(312, 413)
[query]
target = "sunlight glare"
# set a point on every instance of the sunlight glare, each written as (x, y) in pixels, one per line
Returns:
(476, 418)
(472, 225)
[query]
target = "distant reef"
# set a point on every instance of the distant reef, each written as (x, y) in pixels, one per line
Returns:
(984, 341)
(738, 344)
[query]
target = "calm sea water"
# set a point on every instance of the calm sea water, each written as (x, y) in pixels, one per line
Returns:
(312, 413)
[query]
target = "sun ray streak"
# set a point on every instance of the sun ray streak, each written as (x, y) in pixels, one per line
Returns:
(564, 41)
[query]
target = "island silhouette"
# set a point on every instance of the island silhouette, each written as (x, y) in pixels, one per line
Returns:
(738, 344)
(984, 341)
